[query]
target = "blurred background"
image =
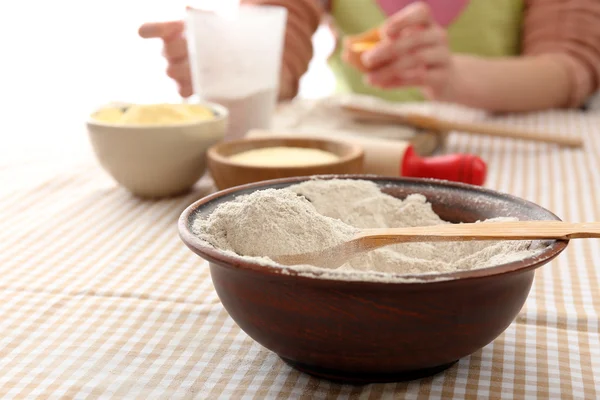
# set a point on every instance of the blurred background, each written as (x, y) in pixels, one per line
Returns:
(60, 59)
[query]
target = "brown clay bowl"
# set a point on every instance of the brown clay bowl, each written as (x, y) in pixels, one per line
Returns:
(227, 173)
(361, 331)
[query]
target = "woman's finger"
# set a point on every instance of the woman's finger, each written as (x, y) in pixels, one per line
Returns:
(434, 35)
(431, 56)
(415, 14)
(179, 71)
(394, 83)
(162, 30)
(176, 50)
(383, 53)
(185, 88)
(408, 42)
(393, 69)
(426, 57)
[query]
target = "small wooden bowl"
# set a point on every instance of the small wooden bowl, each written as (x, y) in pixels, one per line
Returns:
(227, 173)
(367, 331)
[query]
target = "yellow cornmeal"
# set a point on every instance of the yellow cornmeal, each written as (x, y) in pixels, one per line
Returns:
(154, 114)
(284, 157)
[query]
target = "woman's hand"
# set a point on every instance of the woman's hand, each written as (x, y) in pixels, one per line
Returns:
(414, 51)
(174, 50)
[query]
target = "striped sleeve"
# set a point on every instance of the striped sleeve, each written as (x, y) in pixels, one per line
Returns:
(570, 28)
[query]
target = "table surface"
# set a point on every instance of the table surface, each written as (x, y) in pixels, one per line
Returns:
(100, 298)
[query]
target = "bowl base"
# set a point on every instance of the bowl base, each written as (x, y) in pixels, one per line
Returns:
(360, 378)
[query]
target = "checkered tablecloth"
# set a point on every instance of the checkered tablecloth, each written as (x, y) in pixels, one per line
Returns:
(99, 298)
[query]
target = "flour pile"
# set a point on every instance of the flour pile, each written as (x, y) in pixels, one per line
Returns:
(270, 223)
(318, 214)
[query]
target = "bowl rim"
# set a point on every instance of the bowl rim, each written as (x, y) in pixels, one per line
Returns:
(355, 152)
(222, 114)
(212, 255)
(267, 8)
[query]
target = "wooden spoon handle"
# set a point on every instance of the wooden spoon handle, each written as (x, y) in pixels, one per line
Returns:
(370, 239)
(439, 125)
(519, 230)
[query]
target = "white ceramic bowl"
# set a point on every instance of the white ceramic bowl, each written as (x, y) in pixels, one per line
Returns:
(157, 161)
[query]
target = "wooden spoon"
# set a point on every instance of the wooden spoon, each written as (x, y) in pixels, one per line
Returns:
(371, 239)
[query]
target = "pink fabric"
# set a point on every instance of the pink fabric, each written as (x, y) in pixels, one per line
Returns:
(444, 11)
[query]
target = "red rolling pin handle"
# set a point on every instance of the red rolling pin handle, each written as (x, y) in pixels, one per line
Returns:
(465, 168)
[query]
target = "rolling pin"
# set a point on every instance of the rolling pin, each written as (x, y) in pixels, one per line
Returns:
(441, 125)
(396, 157)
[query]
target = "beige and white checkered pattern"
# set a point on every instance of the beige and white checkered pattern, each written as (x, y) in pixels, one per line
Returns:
(100, 298)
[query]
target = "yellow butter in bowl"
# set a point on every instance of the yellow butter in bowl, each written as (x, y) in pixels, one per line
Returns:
(154, 114)
(282, 156)
(109, 114)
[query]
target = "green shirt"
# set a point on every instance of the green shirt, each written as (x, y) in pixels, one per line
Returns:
(489, 28)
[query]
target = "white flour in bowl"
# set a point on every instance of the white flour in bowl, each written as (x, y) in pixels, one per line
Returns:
(317, 214)
(269, 223)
